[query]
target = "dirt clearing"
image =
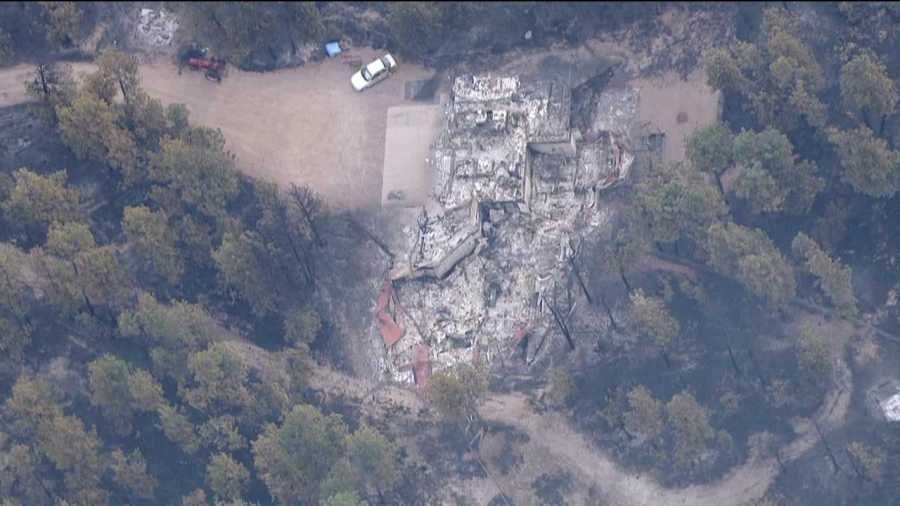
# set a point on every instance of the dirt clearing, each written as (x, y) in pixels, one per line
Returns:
(676, 107)
(304, 125)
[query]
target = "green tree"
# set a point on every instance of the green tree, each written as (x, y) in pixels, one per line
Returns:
(690, 423)
(6, 48)
(342, 478)
(173, 331)
(372, 458)
(103, 280)
(130, 472)
(32, 401)
(292, 459)
(194, 174)
(178, 429)
(89, 126)
(750, 257)
(73, 450)
(122, 69)
(195, 498)
(21, 477)
(68, 240)
(148, 121)
(677, 203)
(628, 242)
(415, 25)
(298, 364)
(646, 414)
(108, 380)
(52, 87)
(779, 75)
(120, 391)
(60, 283)
(95, 272)
(221, 434)
(866, 89)
(64, 21)
(868, 164)
(302, 325)
(456, 391)
(15, 302)
(36, 201)
(833, 278)
(153, 242)
(813, 352)
(868, 460)
(830, 229)
(711, 149)
(734, 69)
(236, 29)
(217, 381)
(560, 386)
(653, 318)
(226, 477)
(145, 392)
(245, 266)
(344, 499)
(14, 339)
(771, 178)
(304, 20)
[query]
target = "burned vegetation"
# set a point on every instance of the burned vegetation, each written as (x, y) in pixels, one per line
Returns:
(572, 313)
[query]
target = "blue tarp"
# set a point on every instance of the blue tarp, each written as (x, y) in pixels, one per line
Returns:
(333, 48)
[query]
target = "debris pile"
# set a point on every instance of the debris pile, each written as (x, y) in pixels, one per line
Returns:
(884, 399)
(515, 191)
(156, 28)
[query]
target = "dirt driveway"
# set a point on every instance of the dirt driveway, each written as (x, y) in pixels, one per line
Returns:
(303, 125)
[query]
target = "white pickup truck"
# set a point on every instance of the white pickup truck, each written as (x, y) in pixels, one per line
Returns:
(374, 72)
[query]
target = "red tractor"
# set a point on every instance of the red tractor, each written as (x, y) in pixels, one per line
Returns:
(197, 59)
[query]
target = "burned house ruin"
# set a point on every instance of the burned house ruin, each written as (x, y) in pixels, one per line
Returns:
(515, 188)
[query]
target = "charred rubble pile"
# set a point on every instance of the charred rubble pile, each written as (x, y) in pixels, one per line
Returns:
(516, 189)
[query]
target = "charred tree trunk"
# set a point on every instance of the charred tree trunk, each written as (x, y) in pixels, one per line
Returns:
(368, 235)
(855, 467)
(609, 314)
(562, 326)
(780, 462)
(42, 74)
(303, 198)
(827, 447)
(625, 281)
(87, 300)
(759, 375)
(734, 362)
(124, 94)
(581, 284)
(718, 178)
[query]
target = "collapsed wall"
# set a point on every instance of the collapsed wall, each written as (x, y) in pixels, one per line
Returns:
(515, 190)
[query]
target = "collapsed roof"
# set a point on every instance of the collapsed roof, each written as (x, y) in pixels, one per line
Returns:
(515, 190)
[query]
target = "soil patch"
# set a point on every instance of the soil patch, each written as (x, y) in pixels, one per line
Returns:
(676, 107)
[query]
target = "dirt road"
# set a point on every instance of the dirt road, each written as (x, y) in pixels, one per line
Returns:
(553, 443)
(303, 125)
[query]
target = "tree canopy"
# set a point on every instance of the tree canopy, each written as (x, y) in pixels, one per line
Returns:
(751, 257)
(867, 163)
